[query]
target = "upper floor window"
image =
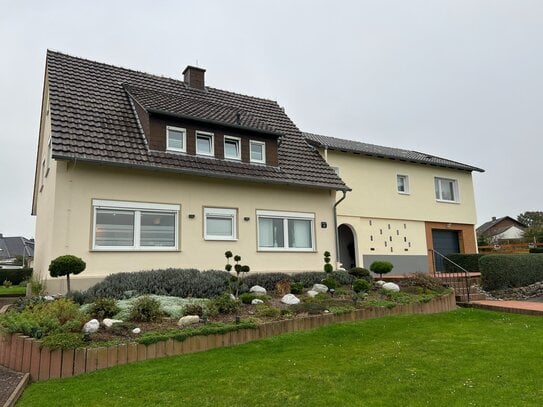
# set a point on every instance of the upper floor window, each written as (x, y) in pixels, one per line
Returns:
(176, 139)
(134, 226)
(292, 231)
(402, 184)
(219, 224)
(204, 143)
(258, 152)
(232, 148)
(446, 189)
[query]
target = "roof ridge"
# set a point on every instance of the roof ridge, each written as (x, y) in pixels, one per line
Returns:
(50, 51)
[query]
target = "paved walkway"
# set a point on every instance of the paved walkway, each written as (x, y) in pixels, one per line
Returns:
(9, 380)
(517, 307)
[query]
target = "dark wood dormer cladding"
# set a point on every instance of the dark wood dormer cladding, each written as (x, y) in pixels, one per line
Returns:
(155, 129)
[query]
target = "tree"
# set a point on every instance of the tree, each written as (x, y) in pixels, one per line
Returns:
(66, 265)
(532, 219)
(381, 267)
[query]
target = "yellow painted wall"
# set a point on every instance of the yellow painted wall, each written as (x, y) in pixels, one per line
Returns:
(374, 193)
(77, 185)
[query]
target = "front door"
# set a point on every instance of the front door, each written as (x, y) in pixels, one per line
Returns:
(445, 242)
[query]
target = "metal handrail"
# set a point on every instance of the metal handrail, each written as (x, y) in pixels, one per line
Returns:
(465, 272)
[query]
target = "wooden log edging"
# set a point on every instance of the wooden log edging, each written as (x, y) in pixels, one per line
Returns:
(28, 355)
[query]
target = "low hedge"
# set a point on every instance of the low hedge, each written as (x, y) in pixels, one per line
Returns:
(499, 271)
(536, 250)
(470, 262)
(16, 276)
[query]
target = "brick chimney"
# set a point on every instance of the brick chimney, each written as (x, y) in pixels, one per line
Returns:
(194, 77)
(493, 218)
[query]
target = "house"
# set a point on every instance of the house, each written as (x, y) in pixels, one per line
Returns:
(504, 229)
(403, 205)
(137, 171)
(13, 247)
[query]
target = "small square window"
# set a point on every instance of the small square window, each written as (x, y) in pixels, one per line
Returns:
(402, 183)
(232, 148)
(258, 152)
(204, 144)
(176, 139)
(219, 224)
(446, 189)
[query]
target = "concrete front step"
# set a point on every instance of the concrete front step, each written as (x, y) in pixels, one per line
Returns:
(472, 297)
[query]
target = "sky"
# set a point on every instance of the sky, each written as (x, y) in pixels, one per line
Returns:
(457, 79)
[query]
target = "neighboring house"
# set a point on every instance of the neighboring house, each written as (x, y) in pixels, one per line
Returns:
(403, 204)
(14, 246)
(136, 172)
(504, 229)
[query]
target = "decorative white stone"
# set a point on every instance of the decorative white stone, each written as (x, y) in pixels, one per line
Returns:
(108, 323)
(256, 289)
(380, 283)
(257, 301)
(312, 293)
(188, 320)
(91, 327)
(290, 299)
(391, 287)
(49, 298)
(320, 288)
(136, 331)
(232, 297)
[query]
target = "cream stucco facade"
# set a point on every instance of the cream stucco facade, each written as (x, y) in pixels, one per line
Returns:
(390, 225)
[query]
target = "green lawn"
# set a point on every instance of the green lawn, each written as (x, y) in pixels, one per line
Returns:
(13, 290)
(461, 358)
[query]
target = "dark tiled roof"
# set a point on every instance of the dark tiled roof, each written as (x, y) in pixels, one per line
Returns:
(92, 120)
(491, 223)
(15, 246)
(373, 150)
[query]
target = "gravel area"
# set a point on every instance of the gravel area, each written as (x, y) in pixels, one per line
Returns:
(8, 382)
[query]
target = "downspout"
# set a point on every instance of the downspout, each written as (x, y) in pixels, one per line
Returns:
(336, 227)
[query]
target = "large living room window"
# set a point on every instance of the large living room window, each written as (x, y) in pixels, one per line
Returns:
(446, 189)
(285, 231)
(134, 226)
(176, 139)
(219, 224)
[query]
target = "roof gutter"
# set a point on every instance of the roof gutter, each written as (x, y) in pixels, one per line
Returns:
(336, 233)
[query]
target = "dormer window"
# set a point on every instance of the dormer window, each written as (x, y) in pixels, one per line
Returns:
(232, 148)
(176, 139)
(204, 143)
(258, 152)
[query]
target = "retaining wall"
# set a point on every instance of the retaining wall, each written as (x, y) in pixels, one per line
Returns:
(28, 355)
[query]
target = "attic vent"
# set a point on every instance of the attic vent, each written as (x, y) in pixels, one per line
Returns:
(194, 77)
(429, 157)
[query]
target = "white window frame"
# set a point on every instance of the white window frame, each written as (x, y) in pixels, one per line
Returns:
(439, 188)
(406, 184)
(138, 208)
(211, 137)
(238, 141)
(174, 149)
(251, 159)
(222, 213)
(285, 216)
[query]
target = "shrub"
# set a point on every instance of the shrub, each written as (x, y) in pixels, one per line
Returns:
(263, 310)
(77, 296)
(296, 287)
(499, 271)
(359, 272)
(241, 271)
(122, 328)
(64, 340)
(23, 303)
(381, 267)
(193, 309)
(344, 309)
(146, 309)
(282, 287)
(361, 286)
(15, 275)
(423, 280)
(470, 262)
(104, 308)
(224, 304)
(308, 278)
(172, 282)
(328, 268)
(536, 250)
(7, 283)
(37, 287)
(330, 282)
(66, 265)
(312, 308)
(247, 298)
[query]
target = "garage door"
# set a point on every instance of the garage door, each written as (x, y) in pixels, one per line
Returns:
(445, 242)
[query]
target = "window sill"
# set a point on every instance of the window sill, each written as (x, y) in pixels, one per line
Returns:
(219, 239)
(404, 193)
(449, 202)
(169, 150)
(133, 250)
(283, 250)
